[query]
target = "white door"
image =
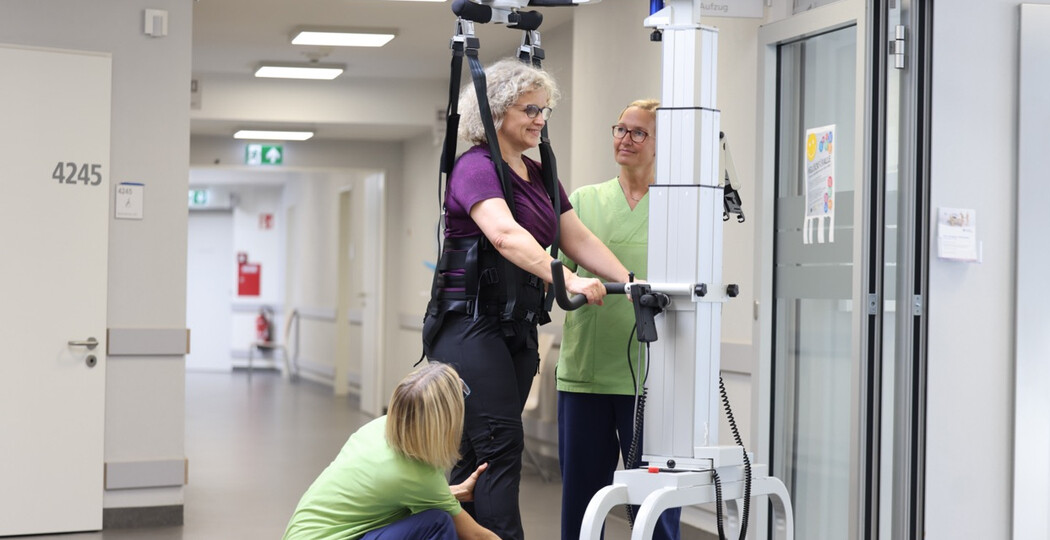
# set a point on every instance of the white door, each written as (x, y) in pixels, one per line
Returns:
(54, 182)
(209, 288)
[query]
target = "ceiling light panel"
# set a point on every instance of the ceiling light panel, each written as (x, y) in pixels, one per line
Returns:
(343, 38)
(259, 135)
(299, 71)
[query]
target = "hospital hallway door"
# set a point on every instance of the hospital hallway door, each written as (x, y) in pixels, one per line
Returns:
(841, 231)
(54, 246)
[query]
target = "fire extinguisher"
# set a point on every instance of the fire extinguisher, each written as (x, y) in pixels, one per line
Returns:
(262, 325)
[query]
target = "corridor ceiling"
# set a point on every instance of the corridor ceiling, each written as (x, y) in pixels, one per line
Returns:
(231, 37)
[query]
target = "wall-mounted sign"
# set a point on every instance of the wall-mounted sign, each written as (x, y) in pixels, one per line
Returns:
(264, 154)
(198, 198)
(732, 8)
(819, 171)
(128, 203)
(957, 234)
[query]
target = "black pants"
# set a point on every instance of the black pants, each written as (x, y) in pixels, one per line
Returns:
(499, 372)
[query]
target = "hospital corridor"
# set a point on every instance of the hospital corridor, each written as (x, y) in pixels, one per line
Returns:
(786, 258)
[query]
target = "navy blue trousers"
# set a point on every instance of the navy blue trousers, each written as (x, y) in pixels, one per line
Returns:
(433, 524)
(499, 371)
(594, 431)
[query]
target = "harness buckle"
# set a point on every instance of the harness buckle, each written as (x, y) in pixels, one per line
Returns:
(489, 276)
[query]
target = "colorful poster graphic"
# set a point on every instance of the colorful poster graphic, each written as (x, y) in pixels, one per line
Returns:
(819, 171)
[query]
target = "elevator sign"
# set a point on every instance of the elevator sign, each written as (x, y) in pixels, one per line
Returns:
(264, 154)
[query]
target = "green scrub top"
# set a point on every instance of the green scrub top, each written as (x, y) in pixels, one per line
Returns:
(594, 341)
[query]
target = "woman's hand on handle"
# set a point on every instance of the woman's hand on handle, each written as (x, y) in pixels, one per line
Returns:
(592, 288)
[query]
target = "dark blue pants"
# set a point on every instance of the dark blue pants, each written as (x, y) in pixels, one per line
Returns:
(594, 431)
(433, 524)
(499, 372)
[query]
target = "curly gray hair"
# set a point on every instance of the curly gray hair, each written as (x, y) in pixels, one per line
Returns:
(507, 80)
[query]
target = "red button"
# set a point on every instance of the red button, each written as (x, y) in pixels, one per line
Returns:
(654, 470)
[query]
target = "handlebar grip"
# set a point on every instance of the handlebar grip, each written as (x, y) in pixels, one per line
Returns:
(558, 282)
(472, 12)
(577, 301)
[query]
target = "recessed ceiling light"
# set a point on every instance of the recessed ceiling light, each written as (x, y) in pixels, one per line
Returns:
(299, 71)
(342, 38)
(273, 135)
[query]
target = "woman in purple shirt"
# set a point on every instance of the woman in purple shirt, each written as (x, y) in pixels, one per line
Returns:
(492, 257)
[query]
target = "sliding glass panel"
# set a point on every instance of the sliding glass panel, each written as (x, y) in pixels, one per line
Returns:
(814, 370)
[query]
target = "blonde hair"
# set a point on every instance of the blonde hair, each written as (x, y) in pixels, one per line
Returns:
(506, 81)
(649, 105)
(425, 417)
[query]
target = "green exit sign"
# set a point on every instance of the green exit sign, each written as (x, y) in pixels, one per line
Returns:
(198, 197)
(264, 154)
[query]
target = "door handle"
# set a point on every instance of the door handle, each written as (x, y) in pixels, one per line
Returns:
(91, 343)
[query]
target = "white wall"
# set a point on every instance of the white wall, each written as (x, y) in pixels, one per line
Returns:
(263, 247)
(147, 258)
(313, 263)
(971, 306)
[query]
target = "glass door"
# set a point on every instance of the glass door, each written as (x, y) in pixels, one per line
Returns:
(816, 368)
(814, 254)
(841, 250)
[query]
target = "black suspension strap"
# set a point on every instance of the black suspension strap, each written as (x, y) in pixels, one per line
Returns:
(509, 270)
(530, 52)
(463, 38)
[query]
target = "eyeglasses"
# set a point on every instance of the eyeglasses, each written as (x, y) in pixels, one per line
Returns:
(532, 111)
(466, 389)
(637, 135)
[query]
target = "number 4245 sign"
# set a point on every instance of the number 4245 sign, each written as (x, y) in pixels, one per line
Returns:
(68, 172)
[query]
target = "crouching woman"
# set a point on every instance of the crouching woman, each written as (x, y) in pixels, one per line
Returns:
(388, 482)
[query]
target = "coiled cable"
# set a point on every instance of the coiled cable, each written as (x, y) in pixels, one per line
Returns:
(747, 468)
(639, 414)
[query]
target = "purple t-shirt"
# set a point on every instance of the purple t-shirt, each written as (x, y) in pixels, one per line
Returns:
(474, 179)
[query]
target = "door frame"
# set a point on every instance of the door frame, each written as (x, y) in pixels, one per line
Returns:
(807, 24)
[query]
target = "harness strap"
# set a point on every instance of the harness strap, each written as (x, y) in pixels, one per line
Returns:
(530, 52)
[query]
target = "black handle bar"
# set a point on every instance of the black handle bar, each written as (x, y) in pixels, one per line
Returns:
(577, 301)
(472, 12)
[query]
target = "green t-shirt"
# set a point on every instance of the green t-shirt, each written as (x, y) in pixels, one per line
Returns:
(594, 341)
(366, 487)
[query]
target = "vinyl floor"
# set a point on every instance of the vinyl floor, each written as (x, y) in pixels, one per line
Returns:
(255, 443)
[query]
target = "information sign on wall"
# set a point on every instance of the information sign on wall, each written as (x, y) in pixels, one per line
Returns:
(264, 154)
(128, 203)
(732, 8)
(819, 162)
